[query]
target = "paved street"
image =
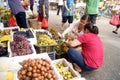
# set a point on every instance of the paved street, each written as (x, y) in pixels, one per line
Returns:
(111, 68)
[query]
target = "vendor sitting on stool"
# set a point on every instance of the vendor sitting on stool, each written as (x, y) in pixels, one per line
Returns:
(92, 55)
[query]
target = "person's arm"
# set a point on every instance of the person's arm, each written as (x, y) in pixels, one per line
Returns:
(43, 9)
(73, 43)
(65, 4)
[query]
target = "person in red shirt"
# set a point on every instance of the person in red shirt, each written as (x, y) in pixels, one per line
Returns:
(92, 55)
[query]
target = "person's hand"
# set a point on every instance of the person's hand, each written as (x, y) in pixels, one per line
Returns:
(44, 15)
(75, 32)
(68, 9)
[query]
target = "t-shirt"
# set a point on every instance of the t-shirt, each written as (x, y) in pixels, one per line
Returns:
(60, 2)
(70, 5)
(31, 2)
(92, 49)
(15, 6)
(92, 6)
(71, 28)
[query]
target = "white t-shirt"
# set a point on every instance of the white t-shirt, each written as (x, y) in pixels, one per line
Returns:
(73, 26)
(60, 2)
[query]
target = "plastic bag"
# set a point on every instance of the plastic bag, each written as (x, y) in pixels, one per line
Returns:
(44, 23)
(115, 20)
(12, 21)
(39, 18)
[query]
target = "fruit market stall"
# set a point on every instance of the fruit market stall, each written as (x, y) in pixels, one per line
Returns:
(33, 59)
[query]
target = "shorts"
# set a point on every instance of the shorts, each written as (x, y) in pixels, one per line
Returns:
(69, 18)
(93, 18)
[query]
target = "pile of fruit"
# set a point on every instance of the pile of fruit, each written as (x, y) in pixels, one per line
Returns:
(5, 16)
(2, 8)
(4, 32)
(36, 69)
(45, 40)
(3, 51)
(4, 36)
(20, 46)
(54, 33)
(66, 73)
(61, 48)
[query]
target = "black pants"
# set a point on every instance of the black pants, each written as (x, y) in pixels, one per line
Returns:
(21, 19)
(59, 7)
(31, 7)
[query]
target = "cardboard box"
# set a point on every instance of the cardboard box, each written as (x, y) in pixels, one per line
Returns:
(67, 67)
(17, 59)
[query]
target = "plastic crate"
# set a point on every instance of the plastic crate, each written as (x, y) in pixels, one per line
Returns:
(6, 54)
(52, 55)
(42, 49)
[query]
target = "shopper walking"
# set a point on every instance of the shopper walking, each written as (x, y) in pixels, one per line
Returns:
(60, 5)
(43, 9)
(92, 9)
(92, 55)
(67, 12)
(117, 8)
(19, 12)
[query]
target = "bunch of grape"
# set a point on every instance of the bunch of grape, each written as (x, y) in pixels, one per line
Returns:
(3, 51)
(20, 46)
(18, 38)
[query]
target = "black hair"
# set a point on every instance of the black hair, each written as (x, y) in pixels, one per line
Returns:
(85, 17)
(91, 28)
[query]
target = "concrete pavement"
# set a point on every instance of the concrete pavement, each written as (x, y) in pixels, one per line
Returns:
(111, 68)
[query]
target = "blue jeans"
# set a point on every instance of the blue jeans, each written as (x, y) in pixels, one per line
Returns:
(21, 19)
(77, 58)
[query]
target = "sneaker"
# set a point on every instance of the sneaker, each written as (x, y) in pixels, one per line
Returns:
(115, 32)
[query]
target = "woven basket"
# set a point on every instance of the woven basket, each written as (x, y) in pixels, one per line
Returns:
(34, 23)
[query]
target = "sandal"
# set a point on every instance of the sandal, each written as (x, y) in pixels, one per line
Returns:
(76, 67)
(115, 32)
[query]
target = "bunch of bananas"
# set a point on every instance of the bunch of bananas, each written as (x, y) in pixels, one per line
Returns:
(4, 32)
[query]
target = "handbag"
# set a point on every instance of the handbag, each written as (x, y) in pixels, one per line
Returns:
(44, 23)
(115, 20)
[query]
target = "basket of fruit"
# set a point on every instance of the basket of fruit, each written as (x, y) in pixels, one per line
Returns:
(29, 34)
(64, 68)
(20, 46)
(36, 67)
(44, 42)
(4, 19)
